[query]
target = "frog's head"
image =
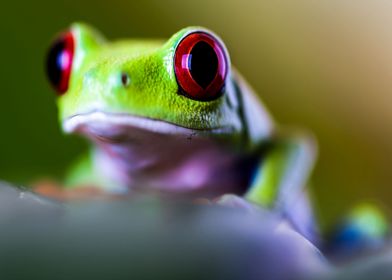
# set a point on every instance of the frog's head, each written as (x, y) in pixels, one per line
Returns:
(181, 86)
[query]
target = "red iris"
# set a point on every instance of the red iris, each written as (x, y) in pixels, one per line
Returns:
(59, 62)
(200, 65)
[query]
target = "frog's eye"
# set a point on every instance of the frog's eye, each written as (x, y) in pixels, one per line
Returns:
(59, 62)
(200, 65)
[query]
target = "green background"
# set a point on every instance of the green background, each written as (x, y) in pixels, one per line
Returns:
(322, 65)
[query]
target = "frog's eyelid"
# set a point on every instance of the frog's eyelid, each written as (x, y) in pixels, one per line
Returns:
(209, 32)
(201, 65)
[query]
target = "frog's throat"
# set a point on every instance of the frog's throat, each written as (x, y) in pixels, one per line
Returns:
(106, 120)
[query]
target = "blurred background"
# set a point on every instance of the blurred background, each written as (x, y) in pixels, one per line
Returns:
(322, 65)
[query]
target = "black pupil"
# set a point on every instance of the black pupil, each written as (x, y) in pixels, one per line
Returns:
(53, 64)
(203, 64)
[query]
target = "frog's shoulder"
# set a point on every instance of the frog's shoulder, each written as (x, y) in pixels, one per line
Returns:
(257, 121)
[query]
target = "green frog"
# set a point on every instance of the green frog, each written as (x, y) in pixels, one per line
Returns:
(174, 117)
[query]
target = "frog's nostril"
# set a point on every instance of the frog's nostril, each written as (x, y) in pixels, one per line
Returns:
(125, 79)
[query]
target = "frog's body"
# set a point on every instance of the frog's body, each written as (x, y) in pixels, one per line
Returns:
(160, 121)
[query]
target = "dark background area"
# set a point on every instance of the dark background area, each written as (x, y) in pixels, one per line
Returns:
(325, 66)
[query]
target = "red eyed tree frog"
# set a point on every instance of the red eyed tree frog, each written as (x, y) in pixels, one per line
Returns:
(175, 117)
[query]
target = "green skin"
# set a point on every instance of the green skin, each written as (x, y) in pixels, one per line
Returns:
(148, 110)
(149, 137)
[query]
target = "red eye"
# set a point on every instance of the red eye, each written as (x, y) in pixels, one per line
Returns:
(59, 62)
(200, 65)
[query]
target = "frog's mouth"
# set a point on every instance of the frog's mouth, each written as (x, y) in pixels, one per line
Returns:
(114, 125)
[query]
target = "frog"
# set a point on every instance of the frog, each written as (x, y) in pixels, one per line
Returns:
(174, 117)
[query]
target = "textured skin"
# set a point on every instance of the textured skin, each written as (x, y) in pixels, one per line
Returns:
(147, 135)
(153, 92)
(242, 126)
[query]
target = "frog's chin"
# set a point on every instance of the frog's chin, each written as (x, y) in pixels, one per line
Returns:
(116, 126)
